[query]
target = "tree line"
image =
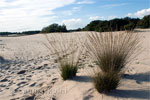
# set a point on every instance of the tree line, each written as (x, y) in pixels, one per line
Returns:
(117, 24)
(20, 33)
(54, 28)
(58, 28)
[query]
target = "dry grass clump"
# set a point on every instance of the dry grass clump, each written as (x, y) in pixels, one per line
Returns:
(105, 82)
(67, 52)
(112, 52)
(68, 71)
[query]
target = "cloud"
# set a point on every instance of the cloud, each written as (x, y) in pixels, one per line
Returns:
(111, 17)
(114, 5)
(73, 23)
(20, 15)
(140, 13)
(85, 2)
(95, 17)
(102, 17)
(70, 12)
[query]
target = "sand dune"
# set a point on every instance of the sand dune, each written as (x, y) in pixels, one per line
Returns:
(28, 70)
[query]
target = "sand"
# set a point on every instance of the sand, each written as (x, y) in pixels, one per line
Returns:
(29, 71)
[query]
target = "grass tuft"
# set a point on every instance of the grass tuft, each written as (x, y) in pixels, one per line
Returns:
(68, 71)
(113, 51)
(67, 52)
(105, 82)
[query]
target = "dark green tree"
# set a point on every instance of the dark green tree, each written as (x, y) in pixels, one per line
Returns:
(54, 28)
(145, 22)
(112, 25)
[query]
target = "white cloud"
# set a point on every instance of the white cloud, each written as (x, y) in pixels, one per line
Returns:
(85, 2)
(140, 13)
(102, 17)
(96, 17)
(111, 17)
(73, 23)
(70, 12)
(114, 5)
(76, 8)
(20, 15)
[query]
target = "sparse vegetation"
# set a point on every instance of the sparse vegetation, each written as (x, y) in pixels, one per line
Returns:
(112, 52)
(67, 52)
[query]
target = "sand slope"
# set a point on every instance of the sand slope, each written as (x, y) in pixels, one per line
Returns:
(29, 70)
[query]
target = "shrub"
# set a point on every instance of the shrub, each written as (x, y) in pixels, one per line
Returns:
(105, 82)
(68, 71)
(67, 52)
(112, 51)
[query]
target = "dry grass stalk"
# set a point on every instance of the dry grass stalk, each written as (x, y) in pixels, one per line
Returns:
(67, 50)
(113, 51)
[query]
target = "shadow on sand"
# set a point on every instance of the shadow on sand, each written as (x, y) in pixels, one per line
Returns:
(136, 94)
(82, 79)
(3, 60)
(4, 63)
(142, 77)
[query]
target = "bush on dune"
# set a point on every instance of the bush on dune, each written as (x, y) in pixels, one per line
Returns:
(68, 71)
(112, 52)
(67, 52)
(105, 82)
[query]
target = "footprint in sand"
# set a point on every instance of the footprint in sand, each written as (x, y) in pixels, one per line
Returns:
(33, 84)
(22, 83)
(4, 80)
(2, 85)
(138, 82)
(88, 97)
(21, 72)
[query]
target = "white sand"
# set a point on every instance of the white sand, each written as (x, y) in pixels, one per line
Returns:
(42, 73)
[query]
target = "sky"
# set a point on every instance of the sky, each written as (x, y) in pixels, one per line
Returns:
(24, 15)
